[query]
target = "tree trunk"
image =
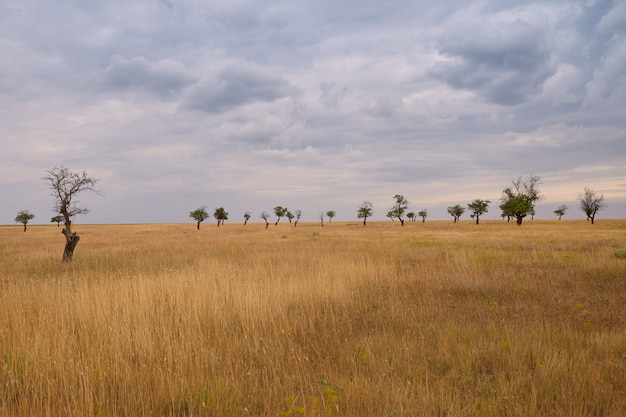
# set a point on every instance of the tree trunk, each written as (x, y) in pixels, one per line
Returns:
(476, 219)
(519, 220)
(71, 240)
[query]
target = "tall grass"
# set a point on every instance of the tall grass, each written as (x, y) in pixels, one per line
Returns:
(435, 319)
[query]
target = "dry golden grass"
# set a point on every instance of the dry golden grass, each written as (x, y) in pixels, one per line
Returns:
(434, 319)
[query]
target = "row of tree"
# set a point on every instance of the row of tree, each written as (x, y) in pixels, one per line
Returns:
(517, 201)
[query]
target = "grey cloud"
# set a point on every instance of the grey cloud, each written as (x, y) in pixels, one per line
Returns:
(506, 63)
(163, 78)
(236, 86)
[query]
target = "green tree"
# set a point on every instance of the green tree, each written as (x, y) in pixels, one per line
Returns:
(456, 212)
(478, 208)
(519, 200)
(289, 215)
(199, 215)
(591, 203)
(423, 214)
(24, 217)
(65, 186)
(330, 214)
(57, 220)
(246, 217)
(220, 215)
(411, 216)
(265, 216)
(400, 206)
(280, 212)
(365, 211)
(560, 211)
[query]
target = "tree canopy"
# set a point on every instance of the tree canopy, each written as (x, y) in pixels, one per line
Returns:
(478, 208)
(24, 217)
(199, 215)
(365, 211)
(519, 200)
(456, 212)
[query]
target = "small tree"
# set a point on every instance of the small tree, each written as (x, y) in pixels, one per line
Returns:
(591, 203)
(330, 215)
(423, 214)
(24, 217)
(411, 216)
(298, 215)
(65, 186)
(265, 216)
(561, 210)
(220, 215)
(456, 212)
(246, 217)
(365, 211)
(199, 215)
(289, 215)
(519, 201)
(57, 220)
(397, 211)
(478, 208)
(280, 212)
(322, 219)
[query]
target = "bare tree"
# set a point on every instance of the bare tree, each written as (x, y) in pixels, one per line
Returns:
(65, 186)
(322, 219)
(591, 203)
(265, 216)
(246, 217)
(298, 215)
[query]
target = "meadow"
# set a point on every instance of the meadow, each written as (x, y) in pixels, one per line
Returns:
(429, 319)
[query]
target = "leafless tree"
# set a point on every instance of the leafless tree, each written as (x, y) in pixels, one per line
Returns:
(65, 186)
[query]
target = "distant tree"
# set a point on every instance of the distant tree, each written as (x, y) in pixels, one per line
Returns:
(298, 215)
(24, 217)
(265, 216)
(65, 186)
(322, 219)
(411, 216)
(199, 215)
(519, 201)
(456, 212)
(280, 212)
(365, 211)
(57, 220)
(478, 208)
(400, 206)
(220, 215)
(330, 215)
(289, 216)
(423, 214)
(246, 217)
(561, 210)
(591, 203)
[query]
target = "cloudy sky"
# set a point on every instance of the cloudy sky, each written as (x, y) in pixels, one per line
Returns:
(313, 104)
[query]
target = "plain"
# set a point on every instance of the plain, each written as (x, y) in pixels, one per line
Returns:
(432, 319)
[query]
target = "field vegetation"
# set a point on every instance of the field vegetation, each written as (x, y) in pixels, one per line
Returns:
(429, 319)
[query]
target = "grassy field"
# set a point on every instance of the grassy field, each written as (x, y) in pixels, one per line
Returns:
(433, 319)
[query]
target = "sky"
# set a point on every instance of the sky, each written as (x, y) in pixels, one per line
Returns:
(314, 105)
